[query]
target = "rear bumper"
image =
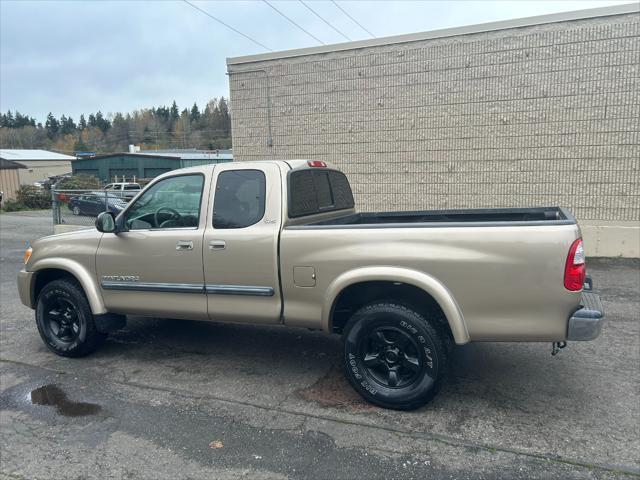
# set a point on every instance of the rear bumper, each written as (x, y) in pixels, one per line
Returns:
(25, 288)
(586, 322)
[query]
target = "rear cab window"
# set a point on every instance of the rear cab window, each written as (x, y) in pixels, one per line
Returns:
(313, 191)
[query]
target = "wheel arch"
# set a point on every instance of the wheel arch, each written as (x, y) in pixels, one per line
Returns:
(49, 269)
(396, 276)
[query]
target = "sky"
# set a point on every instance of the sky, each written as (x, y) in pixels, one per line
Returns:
(73, 57)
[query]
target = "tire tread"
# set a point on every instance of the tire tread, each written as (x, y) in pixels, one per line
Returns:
(435, 330)
(93, 337)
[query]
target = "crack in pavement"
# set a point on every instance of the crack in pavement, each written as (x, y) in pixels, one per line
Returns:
(443, 439)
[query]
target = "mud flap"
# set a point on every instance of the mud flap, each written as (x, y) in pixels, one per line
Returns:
(109, 322)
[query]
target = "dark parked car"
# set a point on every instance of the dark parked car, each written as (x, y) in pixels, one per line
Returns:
(94, 203)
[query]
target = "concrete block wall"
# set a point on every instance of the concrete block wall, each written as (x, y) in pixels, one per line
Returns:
(534, 115)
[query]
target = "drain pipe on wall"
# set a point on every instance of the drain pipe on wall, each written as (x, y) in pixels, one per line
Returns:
(266, 74)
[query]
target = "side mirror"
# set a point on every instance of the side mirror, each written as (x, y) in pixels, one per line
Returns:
(106, 223)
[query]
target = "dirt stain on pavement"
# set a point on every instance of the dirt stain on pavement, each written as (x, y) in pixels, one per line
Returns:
(52, 395)
(333, 390)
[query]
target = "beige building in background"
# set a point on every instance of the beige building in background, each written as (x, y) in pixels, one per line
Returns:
(9, 181)
(39, 164)
(531, 112)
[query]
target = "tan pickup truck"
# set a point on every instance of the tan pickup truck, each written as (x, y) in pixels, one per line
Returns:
(279, 242)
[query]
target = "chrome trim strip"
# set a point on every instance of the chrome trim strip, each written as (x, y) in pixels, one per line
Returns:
(453, 224)
(239, 290)
(155, 287)
(189, 288)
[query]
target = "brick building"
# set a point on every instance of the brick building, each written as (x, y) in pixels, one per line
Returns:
(529, 112)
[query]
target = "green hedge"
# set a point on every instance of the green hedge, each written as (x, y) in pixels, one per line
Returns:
(79, 182)
(32, 197)
(13, 206)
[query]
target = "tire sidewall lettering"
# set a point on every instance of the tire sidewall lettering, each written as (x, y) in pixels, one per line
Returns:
(358, 374)
(50, 340)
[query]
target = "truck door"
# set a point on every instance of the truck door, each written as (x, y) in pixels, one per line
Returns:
(240, 248)
(155, 266)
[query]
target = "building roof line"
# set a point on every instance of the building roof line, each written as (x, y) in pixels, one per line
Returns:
(168, 156)
(10, 164)
(623, 9)
(128, 154)
(31, 155)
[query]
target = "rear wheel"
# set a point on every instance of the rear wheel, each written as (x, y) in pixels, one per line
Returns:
(394, 357)
(65, 321)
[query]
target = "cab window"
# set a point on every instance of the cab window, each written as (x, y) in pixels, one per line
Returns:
(313, 191)
(173, 202)
(239, 199)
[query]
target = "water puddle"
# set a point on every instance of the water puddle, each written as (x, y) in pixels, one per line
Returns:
(52, 395)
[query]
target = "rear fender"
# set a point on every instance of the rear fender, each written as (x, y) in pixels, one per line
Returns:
(418, 279)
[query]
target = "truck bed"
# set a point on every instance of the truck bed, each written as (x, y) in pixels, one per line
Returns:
(440, 218)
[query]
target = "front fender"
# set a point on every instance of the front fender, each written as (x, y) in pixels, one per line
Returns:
(81, 274)
(425, 282)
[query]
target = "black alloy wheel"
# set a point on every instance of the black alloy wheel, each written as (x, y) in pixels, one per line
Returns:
(64, 319)
(391, 357)
(395, 357)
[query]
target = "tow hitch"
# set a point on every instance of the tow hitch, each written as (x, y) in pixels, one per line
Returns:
(556, 347)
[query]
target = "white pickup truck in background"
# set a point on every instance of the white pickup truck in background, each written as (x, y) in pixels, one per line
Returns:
(124, 190)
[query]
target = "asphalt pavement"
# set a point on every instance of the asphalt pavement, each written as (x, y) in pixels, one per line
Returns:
(172, 399)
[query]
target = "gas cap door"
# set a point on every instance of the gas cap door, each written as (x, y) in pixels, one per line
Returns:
(304, 276)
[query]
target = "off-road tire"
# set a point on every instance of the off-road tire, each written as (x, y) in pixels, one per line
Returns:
(80, 341)
(418, 343)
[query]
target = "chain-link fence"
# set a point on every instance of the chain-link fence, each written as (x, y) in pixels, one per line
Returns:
(81, 207)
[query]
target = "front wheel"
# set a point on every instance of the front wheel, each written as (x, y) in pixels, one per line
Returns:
(65, 321)
(394, 357)
(76, 210)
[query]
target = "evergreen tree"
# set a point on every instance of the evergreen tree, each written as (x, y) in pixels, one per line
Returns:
(67, 125)
(52, 126)
(225, 118)
(175, 113)
(162, 113)
(21, 120)
(102, 123)
(166, 127)
(195, 113)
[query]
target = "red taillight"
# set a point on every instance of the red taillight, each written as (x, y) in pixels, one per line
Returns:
(575, 268)
(316, 163)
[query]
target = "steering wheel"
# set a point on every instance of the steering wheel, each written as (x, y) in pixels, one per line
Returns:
(175, 216)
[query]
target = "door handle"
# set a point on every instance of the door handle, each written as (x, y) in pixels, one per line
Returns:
(184, 245)
(217, 245)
